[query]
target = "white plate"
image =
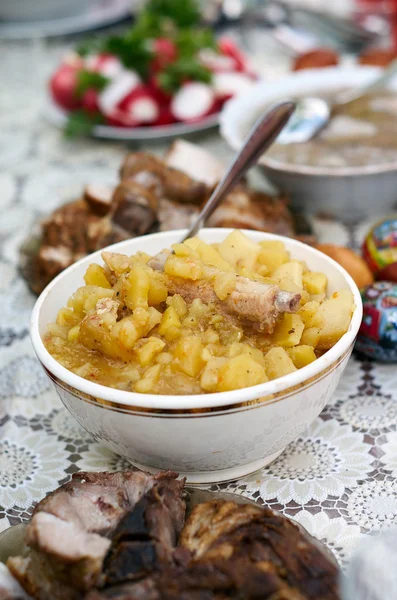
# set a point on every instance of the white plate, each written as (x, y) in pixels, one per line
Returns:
(58, 117)
(101, 15)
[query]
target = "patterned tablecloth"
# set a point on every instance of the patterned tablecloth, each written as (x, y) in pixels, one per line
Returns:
(338, 479)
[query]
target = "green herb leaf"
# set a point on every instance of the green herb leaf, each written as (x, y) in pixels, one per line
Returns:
(89, 79)
(175, 74)
(81, 123)
(184, 13)
(189, 41)
(133, 51)
(92, 46)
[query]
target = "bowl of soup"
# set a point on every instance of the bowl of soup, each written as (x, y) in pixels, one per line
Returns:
(352, 162)
(207, 357)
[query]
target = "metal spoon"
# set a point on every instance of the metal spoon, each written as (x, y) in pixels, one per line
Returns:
(312, 114)
(261, 137)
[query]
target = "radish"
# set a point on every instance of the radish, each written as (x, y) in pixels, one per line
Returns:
(218, 63)
(229, 48)
(105, 64)
(138, 107)
(90, 101)
(73, 60)
(193, 102)
(227, 85)
(116, 91)
(165, 52)
(63, 86)
(165, 117)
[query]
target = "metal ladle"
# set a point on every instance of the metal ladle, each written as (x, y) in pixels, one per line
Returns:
(261, 137)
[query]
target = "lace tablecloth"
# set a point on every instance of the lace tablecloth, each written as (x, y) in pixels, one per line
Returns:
(338, 479)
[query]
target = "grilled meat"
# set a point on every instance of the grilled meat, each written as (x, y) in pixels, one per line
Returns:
(252, 303)
(68, 536)
(134, 207)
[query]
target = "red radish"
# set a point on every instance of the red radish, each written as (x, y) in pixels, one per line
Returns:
(193, 102)
(161, 96)
(63, 87)
(116, 91)
(165, 52)
(105, 64)
(90, 101)
(165, 117)
(227, 85)
(218, 63)
(73, 60)
(138, 107)
(229, 48)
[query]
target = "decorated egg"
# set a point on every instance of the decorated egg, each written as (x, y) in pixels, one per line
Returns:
(380, 249)
(377, 337)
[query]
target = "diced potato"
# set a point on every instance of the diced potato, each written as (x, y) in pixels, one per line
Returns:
(239, 372)
(210, 374)
(183, 267)
(184, 251)
(308, 311)
(188, 351)
(82, 294)
(155, 317)
(193, 242)
(210, 256)
(301, 355)
(56, 330)
(315, 283)
(237, 348)
(67, 316)
(317, 297)
(137, 287)
(224, 285)
(170, 326)
(140, 257)
(97, 293)
(95, 275)
(288, 330)
(272, 254)
(149, 380)
(179, 304)
(310, 336)
(333, 318)
(278, 363)
(238, 250)
(289, 286)
(127, 332)
(118, 263)
(147, 351)
(73, 333)
(263, 270)
(164, 358)
(199, 310)
(157, 289)
(210, 337)
(291, 270)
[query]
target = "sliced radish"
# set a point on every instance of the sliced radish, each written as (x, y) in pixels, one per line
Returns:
(63, 87)
(218, 63)
(106, 64)
(229, 48)
(165, 117)
(139, 107)
(227, 85)
(117, 90)
(162, 97)
(193, 102)
(165, 53)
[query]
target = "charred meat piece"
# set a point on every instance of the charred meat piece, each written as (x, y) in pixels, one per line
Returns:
(195, 161)
(172, 215)
(98, 198)
(67, 538)
(253, 303)
(145, 539)
(134, 207)
(175, 184)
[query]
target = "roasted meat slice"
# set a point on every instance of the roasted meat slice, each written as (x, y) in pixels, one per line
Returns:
(68, 536)
(173, 215)
(253, 303)
(134, 207)
(259, 553)
(175, 184)
(145, 539)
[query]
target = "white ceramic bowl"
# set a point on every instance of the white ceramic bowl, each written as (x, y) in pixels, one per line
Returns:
(208, 437)
(344, 192)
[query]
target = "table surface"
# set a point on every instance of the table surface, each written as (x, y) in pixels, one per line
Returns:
(338, 479)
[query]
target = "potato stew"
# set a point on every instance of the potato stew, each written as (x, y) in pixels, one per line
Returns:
(199, 318)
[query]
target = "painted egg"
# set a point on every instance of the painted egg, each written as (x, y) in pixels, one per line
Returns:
(380, 249)
(377, 337)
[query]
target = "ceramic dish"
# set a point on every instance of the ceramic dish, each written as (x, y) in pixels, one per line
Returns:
(345, 192)
(207, 437)
(23, 19)
(58, 117)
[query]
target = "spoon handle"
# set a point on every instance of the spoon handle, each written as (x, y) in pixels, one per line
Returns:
(379, 82)
(258, 141)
